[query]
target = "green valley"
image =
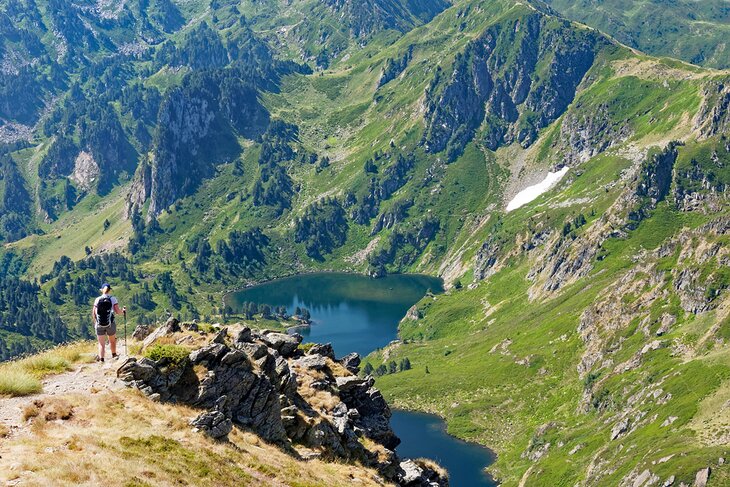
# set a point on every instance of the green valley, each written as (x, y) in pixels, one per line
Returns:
(185, 149)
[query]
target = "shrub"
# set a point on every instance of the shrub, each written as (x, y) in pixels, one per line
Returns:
(174, 354)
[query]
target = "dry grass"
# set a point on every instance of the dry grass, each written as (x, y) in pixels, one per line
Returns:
(153, 444)
(23, 377)
(322, 401)
(50, 409)
(428, 463)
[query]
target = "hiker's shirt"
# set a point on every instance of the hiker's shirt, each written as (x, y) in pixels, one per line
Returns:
(111, 315)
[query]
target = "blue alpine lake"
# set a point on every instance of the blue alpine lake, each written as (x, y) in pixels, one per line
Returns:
(359, 314)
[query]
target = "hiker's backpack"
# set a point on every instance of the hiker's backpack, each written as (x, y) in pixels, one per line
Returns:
(104, 309)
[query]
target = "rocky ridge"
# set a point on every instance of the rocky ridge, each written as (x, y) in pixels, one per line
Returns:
(305, 401)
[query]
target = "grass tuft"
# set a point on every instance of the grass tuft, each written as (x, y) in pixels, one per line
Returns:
(22, 377)
(14, 381)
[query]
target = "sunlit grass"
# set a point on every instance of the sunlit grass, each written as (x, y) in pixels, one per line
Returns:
(23, 376)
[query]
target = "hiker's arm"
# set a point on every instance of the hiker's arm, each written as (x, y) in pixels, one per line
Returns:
(117, 309)
(93, 313)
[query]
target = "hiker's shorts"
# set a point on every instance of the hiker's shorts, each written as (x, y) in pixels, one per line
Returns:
(110, 329)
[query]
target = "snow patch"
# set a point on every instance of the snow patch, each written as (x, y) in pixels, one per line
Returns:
(531, 192)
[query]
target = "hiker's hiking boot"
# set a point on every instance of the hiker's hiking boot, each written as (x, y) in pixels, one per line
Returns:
(99, 359)
(115, 356)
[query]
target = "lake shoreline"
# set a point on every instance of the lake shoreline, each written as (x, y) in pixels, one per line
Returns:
(432, 428)
(261, 282)
(356, 312)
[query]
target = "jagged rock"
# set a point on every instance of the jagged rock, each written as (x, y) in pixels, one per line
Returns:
(171, 326)
(131, 369)
(413, 473)
(253, 350)
(351, 362)
(620, 428)
(316, 362)
(346, 384)
(244, 335)
(216, 423)
(209, 353)
(702, 477)
(511, 103)
(282, 343)
(141, 332)
(190, 326)
(220, 337)
(325, 350)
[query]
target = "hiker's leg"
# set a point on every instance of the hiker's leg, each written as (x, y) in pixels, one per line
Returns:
(113, 343)
(102, 344)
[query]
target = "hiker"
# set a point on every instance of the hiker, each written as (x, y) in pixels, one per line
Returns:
(105, 306)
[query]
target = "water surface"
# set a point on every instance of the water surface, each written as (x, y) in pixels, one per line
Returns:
(355, 313)
(424, 435)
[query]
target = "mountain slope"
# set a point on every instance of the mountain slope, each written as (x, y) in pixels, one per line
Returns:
(577, 326)
(696, 32)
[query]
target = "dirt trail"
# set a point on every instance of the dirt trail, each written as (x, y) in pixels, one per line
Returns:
(83, 379)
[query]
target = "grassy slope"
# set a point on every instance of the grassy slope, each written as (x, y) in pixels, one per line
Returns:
(694, 31)
(151, 444)
(501, 365)
(486, 396)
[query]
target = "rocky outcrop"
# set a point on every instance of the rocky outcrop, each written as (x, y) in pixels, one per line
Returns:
(266, 383)
(701, 184)
(184, 122)
(392, 216)
(394, 67)
(713, 117)
(86, 171)
(513, 99)
(585, 133)
(486, 259)
(418, 473)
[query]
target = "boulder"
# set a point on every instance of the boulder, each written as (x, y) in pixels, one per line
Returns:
(244, 335)
(414, 473)
(702, 477)
(620, 428)
(216, 422)
(209, 353)
(132, 370)
(253, 350)
(141, 332)
(190, 326)
(351, 382)
(351, 362)
(282, 343)
(325, 350)
(171, 326)
(316, 362)
(220, 336)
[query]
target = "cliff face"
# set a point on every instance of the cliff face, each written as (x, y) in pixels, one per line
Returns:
(514, 79)
(15, 201)
(307, 402)
(184, 123)
(197, 128)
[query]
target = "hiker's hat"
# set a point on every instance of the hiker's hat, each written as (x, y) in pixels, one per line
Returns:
(104, 286)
